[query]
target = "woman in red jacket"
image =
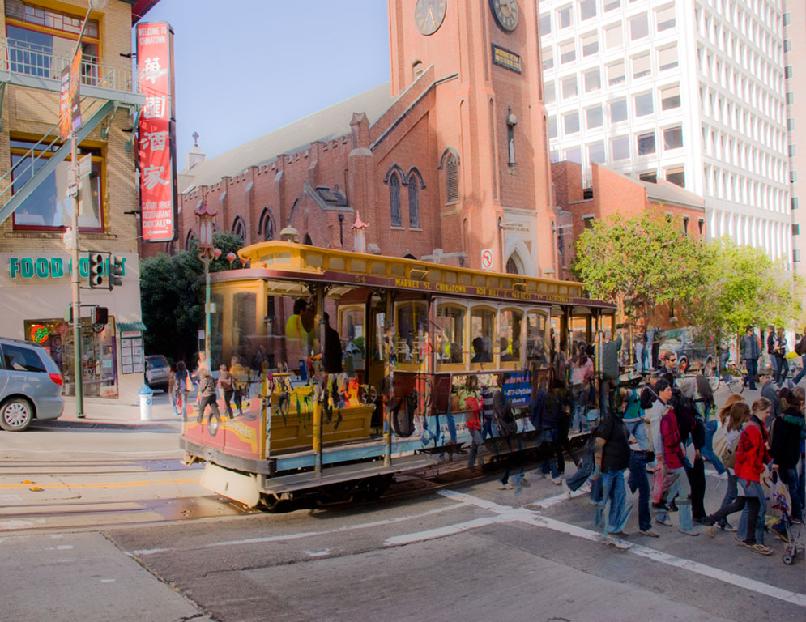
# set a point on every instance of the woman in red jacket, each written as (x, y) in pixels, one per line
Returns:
(752, 456)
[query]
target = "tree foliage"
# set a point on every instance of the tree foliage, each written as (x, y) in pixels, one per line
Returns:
(743, 287)
(639, 263)
(172, 294)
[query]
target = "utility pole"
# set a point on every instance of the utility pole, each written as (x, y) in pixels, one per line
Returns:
(75, 279)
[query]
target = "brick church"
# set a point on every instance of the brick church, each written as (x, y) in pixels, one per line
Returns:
(448, 161)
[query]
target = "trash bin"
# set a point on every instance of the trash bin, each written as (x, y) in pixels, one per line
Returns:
(146, 397)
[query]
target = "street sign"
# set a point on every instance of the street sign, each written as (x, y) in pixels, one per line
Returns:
(486, 259)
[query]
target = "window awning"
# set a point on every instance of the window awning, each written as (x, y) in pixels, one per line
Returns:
(127, 326)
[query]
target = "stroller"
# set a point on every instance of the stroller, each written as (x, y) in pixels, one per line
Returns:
(779, 506)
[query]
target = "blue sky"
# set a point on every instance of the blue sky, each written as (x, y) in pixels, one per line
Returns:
(246, 67)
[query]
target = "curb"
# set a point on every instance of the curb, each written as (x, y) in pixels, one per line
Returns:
(108, 425)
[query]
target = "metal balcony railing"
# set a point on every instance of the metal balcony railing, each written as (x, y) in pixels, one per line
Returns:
(25, 59)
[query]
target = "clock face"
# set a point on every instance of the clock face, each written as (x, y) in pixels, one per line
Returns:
(429, 15)
(506, 13)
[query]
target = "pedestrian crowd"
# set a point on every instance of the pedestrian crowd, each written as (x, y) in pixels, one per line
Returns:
(231, 386)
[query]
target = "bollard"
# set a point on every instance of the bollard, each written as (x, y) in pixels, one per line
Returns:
(146, 397)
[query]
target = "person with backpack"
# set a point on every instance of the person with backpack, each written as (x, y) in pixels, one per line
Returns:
(751, 460)
(612, 458)
(785, 436)
(726, 438)
(640, 455)
(508, 432)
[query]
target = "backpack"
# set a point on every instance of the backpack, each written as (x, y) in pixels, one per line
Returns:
(725, 445)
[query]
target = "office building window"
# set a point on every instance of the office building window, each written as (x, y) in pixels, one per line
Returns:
(640, 66)
(565, 16)
(611, 5)
(593, 117)
(613, 36)
(590, 43)
(646, 143)
(568, 52)
(571, 122)
(639, 27)
(569, 86)
(795, 228)
(620, 147)
(593, 81)
(673, 137)
(664, 18)
(554, 156)
(596, 152)
(644, 104)
(618, 110)
(670, 97)
(587, 9)
(574, 155)
(788, 72)
(790, 98)
(677, 175)
(545, 24)
(615, 73)
(795, 203)
(552, 127)
(650, 176)
(549, 92)
(548, 58)
(667, 58)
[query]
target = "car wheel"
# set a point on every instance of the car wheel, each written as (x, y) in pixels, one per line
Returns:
(16, 414)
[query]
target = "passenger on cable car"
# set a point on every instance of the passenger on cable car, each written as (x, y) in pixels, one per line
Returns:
(481, 354)
(299, 334)
(332, 355)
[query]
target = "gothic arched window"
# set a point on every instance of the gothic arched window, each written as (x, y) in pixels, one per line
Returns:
(414, 184)
(450, 163)
(394, 200)
(239, 228)
(265, 226)
(190, 239)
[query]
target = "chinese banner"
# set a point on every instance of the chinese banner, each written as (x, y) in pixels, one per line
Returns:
(155, 131)
(65, 126)
(69, 98)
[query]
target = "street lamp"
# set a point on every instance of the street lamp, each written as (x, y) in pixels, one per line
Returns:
(207, 253)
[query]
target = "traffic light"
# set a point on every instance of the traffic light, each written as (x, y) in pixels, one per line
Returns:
(96, 269)
(115, 272)
(100, 316)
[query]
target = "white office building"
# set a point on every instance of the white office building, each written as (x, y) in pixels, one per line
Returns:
(690, 91)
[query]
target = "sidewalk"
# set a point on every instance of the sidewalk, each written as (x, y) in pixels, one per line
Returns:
(112, 413)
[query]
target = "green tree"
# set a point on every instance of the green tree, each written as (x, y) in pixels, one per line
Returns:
(743, 287)
(639, 263)
(172, 294)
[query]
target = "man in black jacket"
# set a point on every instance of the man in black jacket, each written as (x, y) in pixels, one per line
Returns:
(750, 354)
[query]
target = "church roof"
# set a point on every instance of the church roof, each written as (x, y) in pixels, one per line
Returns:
(323, 125)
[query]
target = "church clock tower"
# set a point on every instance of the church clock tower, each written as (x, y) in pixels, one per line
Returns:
(488, 123)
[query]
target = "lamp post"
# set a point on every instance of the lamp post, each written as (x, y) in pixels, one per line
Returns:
(207, 253)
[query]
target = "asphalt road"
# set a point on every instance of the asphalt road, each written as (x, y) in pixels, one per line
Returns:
(120, 531)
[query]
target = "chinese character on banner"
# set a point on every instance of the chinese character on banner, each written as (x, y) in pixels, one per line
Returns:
(69, 98)
(155, 131)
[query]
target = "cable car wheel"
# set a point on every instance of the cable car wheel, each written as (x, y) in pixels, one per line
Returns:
(270, 502)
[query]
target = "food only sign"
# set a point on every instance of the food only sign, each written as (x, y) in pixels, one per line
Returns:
(26, 268)
(156, 144)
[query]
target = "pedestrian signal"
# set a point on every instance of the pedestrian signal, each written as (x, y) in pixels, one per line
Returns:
(100, 316)
(96, 269)
(115, 273)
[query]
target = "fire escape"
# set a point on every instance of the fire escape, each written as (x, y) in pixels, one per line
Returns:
(103, 91)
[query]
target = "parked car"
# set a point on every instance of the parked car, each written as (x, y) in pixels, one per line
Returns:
(30, 385)
(158, 371)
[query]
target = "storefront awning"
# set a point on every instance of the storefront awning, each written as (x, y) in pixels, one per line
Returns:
(131, 326)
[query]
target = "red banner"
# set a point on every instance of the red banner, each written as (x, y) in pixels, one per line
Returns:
(155, 131)
(69, 101)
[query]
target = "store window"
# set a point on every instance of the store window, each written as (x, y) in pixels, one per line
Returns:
(41, 41)
(618, 110)
(615, 73)
(482, 331)
(673, 137)
(450, 338)
(593, 117)
(536, 338)
(49, 207)
(412, 331)
(646, 143)
(620, 147)
(509, 335)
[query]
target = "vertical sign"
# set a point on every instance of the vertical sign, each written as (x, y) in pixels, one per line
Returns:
(69, 98)
(155, 131)
(64, 105)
